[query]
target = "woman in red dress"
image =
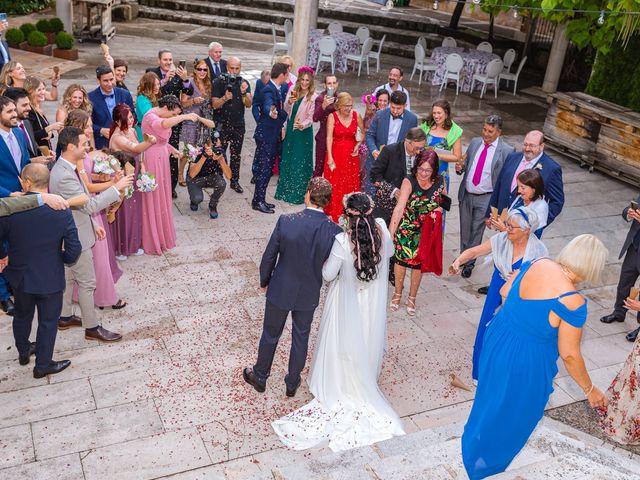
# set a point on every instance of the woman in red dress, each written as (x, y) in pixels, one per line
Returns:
(345, 132)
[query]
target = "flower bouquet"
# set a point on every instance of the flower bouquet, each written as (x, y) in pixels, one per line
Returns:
(106, 164)
(190, 152)
(146, 182)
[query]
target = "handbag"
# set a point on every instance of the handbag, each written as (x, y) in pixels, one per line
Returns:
(445, 202)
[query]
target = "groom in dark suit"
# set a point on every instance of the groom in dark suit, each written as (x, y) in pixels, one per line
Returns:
(291, 275)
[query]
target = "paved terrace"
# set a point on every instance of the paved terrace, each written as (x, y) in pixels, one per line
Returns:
(169, 399)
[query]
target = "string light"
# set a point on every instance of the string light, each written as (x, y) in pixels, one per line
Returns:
(515, 12)
(435, 5)
(601, 18)
(476, 2)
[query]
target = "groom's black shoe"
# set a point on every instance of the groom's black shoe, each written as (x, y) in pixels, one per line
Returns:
(24, 358)
(291, 392)
(252, 380)
(262, 207)
(632, 335)
(612, 317)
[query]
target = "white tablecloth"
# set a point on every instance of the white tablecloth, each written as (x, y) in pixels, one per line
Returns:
(475, 62)
(346, 43)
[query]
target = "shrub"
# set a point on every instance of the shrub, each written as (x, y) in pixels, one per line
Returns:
(14, 36)
(56, 25)
(27, 28)
(44, 25)
(37, 39)
(64, 41)
(22, 7)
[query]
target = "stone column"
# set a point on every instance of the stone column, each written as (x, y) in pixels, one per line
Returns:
(304, 10)
(556, 59)
(65, 13)
(313, 17)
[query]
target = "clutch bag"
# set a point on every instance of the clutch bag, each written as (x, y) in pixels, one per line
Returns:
(445, 202)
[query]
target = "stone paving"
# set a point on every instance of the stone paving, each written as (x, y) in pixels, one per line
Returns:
(170, 400)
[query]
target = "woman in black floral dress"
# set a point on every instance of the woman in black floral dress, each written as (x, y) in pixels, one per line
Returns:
(419, 196)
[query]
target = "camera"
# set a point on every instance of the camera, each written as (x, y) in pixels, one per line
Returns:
(230, 80)
(215, 139)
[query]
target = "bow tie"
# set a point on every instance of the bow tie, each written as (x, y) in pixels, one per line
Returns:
(397, 118)
(111, 95)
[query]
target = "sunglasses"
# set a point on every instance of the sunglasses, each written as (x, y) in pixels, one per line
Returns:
(201, 69)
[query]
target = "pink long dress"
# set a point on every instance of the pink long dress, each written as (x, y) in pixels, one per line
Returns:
(158, 232)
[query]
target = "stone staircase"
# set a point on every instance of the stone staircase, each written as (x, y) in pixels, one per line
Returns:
(554, 451)
(402, 29)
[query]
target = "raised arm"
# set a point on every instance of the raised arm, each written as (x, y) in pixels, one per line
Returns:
(405, 192)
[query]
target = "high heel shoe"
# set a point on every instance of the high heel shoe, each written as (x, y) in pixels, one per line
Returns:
(395, 302)
(411, 306)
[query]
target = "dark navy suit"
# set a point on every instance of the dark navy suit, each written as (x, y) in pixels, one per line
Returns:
(291, 269)
(502, 196)
(630, 265)
(100, 115)
(36, 272)
(267, 137)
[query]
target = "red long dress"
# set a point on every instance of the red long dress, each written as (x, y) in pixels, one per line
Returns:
(345, 178)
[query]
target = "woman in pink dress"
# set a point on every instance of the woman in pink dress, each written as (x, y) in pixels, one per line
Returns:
(158, 232)
(342, 167)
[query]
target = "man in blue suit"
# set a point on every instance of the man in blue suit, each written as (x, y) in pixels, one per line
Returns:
(267, 136)
(104, 99)
(14, 155)
(36, 270)
(291, 276)
(256, 106)
(388, 126)
(532, 156)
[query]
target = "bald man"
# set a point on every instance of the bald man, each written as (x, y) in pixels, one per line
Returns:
(35, 270)
(230, 97)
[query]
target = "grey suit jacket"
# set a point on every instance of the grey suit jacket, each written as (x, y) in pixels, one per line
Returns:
(502, 151)
(65, 182)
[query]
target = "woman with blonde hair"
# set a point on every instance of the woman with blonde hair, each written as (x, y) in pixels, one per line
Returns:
(13, 74)
(288, 61)
(342, 168)
(541, 318)
(42, 129)
(147, 98)
(74, 97)
(296, 166)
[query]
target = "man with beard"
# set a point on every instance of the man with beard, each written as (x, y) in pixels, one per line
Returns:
(395, 77)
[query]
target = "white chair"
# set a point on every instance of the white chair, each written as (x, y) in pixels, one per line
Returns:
(453, 66)
(449, 42)
(277, 46)
(420, 63)
(363, 56)
(508, 59)
(326, 48)
(362, 33)
(334, 27)
(491, 77)
(288, 26)
(288, 38)
(513, 76)
(485, 47)
(422, 41)
(376, 55)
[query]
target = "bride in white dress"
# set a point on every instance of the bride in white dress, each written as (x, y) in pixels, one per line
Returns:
(349, 410)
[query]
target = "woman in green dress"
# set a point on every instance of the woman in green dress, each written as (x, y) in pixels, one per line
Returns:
(147, 98)
(296, 166)
(420, 195)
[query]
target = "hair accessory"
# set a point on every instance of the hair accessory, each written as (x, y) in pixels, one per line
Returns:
(369, 98)
(520, 210)
(305, 69)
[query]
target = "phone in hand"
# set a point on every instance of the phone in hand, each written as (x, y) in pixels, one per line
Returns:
(634, 205)
(330, 92)
(182, 64)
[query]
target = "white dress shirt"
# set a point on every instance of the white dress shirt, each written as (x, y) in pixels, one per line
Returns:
(400, 88)
(486, 184)
(523, 165)
(394, 129)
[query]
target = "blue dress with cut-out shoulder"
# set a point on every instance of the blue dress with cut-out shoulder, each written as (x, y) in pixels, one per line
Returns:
(517, 366)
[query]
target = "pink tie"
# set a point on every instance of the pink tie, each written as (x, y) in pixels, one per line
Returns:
(524, 164)
(477, 175)
(26, 136)
(15, 150)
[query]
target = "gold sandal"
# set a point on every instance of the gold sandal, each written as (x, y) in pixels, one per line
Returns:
(411, 306)
(394, 305)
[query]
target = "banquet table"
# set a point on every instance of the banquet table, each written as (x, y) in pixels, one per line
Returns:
(346, 43)
(475, 62)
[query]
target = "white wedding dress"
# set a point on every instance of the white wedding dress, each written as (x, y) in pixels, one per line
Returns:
(348, 410)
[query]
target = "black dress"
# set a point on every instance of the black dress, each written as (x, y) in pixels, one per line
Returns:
(39, 123)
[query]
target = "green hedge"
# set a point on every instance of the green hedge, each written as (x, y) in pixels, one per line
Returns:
(616, 76)
(22, 7)
(64, 41)
(14, 36)
(37, 39)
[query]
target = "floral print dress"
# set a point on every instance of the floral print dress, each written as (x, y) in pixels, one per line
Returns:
(621, 418)
(420, 204)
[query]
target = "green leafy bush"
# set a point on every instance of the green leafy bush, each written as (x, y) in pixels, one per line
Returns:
(27, 28)
(22, 7)
(64, 41)
(44, 25)
(37, 39)
(56, 25)
(616, 75)
(14, 36)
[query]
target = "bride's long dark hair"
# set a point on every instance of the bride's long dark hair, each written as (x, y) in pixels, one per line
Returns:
(364, 235)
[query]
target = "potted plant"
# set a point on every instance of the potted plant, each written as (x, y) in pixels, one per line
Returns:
(65, 49)
(45, 27)
(56, 25)
(14, 37)
(27, 28)
(37, 43)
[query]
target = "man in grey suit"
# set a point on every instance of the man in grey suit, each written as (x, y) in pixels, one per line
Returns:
(388, 126)
(484, 160)
(65, 181)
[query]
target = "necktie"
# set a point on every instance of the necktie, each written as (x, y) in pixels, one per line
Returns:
(477, 175)
(216, 69)
(26, 135)
(524, 164)
(14, 149)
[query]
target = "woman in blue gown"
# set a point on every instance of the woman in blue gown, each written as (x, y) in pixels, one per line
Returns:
(541, 318)
(508, 249)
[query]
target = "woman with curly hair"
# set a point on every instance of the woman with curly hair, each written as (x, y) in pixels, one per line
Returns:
(147, 98)
(75, 97)
(349, 410)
